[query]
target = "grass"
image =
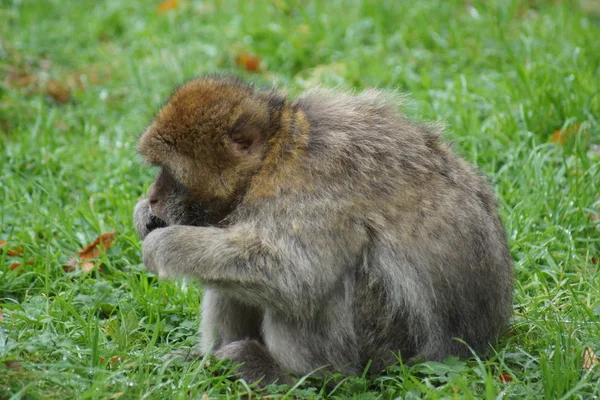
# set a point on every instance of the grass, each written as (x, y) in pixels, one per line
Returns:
(504, 76)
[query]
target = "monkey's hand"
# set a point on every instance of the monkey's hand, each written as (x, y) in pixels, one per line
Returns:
(252, 266)
(166, 250)
(153, 250)
(145, 222)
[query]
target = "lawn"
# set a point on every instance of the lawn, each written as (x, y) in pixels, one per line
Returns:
(515, 81)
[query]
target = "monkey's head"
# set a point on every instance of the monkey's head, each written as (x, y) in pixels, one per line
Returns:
(207, 141)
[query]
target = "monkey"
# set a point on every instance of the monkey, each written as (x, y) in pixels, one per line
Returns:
(329, 231)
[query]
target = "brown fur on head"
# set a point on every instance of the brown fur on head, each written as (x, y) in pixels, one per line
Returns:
(211, 135)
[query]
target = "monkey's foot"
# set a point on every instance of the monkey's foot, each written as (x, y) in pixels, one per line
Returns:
(257, 365)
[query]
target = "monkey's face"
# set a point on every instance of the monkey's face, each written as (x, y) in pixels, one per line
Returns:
(207, 140)
(172, 203)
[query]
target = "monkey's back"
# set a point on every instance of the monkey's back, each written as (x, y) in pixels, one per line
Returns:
(434, 242)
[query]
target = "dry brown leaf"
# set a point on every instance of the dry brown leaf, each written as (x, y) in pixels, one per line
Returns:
(93, 250)
(85, 261)
(560, 136)
(15, 252)
(70, 266)
(248, 61)
(87, 266)
(1, 315)
(116, 359)
(166, 6)
(505, 377)
(19, 79)
(18, 264)
(113, 360)
(12, 364)
(58, 92)
(11, 252)
(590, 361)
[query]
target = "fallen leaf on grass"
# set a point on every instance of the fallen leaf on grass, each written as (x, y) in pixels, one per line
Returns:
(166, 6)
(92, 251)
(73, 263)
(590, 361)
(11, 252)
(12, 364)
(58, 92)
(505, 377)
(70, 266)
(88, 266)
(19, 79)
(113, 360)
(25, 78)
(15, 252)
(18, 264)
(248, 61)
(560, 136)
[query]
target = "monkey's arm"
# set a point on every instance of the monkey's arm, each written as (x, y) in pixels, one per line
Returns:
(268, 269)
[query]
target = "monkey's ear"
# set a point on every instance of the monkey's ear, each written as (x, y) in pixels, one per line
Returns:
(245, 136)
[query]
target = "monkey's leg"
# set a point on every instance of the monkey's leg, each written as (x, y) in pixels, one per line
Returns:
(226, 320)
(325, 342)
(257, 364)
(309, 322)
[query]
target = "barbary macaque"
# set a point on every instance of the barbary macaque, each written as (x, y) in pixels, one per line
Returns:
(328, 230)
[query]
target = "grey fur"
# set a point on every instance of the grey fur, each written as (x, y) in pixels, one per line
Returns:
(394, 246)
(141, 218)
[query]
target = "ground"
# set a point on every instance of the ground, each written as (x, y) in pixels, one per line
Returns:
(515, 82)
